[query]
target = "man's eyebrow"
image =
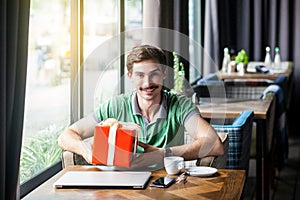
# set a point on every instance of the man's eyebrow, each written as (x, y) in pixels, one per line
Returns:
(139, 72)
(158, 69)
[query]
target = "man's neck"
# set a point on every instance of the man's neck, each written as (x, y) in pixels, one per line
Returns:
(149, 108)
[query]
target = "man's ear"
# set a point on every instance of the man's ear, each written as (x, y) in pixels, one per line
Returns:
(129, 75)
(165, 72)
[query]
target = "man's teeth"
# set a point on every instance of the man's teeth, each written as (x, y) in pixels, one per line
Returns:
(149, 90)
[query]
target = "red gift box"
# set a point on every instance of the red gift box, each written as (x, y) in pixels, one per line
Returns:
(115, 143)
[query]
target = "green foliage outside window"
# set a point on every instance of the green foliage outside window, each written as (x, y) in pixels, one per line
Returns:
(39, 152)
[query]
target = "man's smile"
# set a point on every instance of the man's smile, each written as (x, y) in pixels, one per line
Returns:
(149, 89)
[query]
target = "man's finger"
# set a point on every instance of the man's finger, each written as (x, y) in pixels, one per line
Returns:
(142, 144)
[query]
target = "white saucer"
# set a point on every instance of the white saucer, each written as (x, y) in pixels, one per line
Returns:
(201, 171)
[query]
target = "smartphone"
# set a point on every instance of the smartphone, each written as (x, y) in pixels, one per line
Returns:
(163, 182)
(262, 69)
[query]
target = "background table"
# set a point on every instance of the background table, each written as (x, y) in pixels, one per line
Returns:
(254, 75)
(225, 184)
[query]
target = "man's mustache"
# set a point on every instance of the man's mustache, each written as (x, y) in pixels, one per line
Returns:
(150, 87)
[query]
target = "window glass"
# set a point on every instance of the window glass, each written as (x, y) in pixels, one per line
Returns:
(101, 50)
(47, 102)
(133, 23)
(133, 31)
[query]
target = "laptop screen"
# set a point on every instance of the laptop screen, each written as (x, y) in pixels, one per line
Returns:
(106, 179)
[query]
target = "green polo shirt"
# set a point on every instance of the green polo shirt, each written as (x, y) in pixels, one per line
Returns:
(168, 127)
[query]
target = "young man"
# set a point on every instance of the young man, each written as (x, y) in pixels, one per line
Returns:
(163, 116)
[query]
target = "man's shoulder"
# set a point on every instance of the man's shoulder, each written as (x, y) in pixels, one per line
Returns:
(121, 98)
(172, 97)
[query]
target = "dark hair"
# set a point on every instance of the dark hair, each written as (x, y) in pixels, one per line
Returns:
(145, 52)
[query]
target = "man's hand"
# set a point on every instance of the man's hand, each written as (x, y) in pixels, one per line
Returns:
(151, 155)
(148, 148)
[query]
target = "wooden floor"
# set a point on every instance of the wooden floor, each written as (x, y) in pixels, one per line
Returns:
(287, 181)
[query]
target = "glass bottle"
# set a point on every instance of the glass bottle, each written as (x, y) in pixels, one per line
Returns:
(277, 60)
(268, 60)
(226, 60)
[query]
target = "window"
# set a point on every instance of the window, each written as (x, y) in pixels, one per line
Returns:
(52, 81)
(47, 103)
(54, 84)
(103, 34)
(101, 50)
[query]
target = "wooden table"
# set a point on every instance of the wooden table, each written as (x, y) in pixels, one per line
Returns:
(231, 107)
(212, 108)
(225, 184)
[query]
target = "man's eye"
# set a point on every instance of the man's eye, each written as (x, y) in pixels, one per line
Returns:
(155, 74)
(140, 75)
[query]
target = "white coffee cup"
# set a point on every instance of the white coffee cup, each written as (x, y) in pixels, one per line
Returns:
(173, 164)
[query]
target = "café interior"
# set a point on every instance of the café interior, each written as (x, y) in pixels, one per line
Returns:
(238, 61)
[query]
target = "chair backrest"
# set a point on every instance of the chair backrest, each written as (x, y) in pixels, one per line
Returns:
(246, 88)
(239, 135)
(210, 89)
(209, 86)
(279, 140)
(252, 88)
(210, 161)
(219, 162)
(245, 92)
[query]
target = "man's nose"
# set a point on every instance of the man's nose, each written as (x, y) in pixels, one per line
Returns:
(147, 79)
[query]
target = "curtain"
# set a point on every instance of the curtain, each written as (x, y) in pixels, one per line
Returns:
(211, 51)
(171, 19)
(253, 25)
(295, 107)
(13, 59)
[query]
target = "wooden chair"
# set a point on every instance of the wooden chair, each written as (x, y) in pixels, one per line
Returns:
(219, 162)
(70, 158)
(236, 137)
(239, 135)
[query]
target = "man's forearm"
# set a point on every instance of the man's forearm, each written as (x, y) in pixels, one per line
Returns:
(71, 141)
(188, 151)
(198, 149)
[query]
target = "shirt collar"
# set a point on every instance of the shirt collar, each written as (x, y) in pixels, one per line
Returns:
(162, 112)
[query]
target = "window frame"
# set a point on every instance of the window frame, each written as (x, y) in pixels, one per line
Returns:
(37, 180)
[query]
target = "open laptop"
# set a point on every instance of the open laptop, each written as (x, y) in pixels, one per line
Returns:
(103, 179)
